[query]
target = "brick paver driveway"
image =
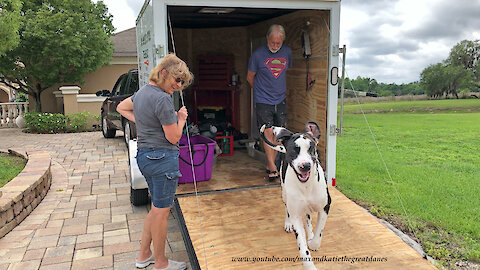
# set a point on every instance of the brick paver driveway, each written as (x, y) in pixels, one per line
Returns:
(86, 220)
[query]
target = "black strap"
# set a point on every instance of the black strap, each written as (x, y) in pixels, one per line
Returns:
(193, 153)
(267, 141)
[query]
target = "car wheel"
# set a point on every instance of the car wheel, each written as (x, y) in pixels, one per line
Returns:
(126, 132)
(139, 196)
(107, 132)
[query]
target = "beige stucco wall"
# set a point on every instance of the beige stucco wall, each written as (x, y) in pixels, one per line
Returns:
(5, 93)
(91, 107)
(3, 96)
(103, 78)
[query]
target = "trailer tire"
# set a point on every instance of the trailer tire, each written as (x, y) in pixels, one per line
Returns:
(139, 197)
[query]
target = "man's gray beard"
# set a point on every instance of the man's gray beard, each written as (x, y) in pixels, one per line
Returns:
(274, 51)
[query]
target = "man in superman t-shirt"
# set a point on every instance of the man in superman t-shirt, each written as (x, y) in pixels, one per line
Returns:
(267, 70)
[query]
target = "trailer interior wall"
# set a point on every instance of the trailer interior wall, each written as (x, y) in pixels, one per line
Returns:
(227, 41)
(303, 105)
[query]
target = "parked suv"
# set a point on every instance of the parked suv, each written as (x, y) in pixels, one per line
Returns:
(126, 85)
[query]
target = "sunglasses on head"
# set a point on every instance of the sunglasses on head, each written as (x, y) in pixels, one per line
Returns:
(178, 80)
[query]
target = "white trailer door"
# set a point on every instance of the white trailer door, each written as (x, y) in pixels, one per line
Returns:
(151, 38)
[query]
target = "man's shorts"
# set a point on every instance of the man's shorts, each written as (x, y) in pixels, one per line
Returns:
(159, 166)
(271, 115)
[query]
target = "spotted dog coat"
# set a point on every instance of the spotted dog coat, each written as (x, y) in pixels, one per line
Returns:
(304, 188)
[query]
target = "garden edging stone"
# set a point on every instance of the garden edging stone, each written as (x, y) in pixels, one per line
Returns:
(24, 192)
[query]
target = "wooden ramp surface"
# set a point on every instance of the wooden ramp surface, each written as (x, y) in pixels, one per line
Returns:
(237, 171)
(249, 224)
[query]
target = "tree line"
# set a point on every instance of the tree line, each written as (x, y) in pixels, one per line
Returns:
(460, 72)
(370, 85)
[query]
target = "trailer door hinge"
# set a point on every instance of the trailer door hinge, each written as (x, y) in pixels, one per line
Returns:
(159, 51)
(335, 50)
(334, 130)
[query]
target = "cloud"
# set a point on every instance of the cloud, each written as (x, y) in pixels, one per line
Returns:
(388, 40)
(393, 41)
(449, 20)
(135, 6)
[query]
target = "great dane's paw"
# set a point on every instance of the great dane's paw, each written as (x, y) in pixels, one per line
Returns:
(314, 244)
(288, 226)
(309, 266)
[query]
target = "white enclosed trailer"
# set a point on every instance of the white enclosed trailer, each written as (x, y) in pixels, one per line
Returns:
(195, 29)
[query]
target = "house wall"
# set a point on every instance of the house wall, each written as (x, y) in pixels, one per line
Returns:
(3, 96)
(103, 78)
(91, 107)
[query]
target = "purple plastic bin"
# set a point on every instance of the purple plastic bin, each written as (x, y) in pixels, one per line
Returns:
(203, 149)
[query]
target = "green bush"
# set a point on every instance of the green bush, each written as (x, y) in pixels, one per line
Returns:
(21, 97)
(80, 122)
(59, 123)
(45, 122)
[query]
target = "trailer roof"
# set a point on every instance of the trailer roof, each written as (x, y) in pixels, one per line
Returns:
(192, 17)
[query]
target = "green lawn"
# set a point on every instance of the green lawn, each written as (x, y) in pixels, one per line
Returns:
(434, 161)
(10, 166)
(451, 105)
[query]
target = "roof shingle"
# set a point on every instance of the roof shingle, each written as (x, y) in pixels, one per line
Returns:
(125, 43)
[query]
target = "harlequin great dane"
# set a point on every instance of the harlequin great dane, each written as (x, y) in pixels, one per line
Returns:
(304, 188)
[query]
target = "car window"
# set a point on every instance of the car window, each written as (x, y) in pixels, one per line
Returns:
(119, 85)
(133, 84)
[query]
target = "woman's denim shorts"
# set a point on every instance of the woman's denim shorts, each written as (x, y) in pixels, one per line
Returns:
(159, 166)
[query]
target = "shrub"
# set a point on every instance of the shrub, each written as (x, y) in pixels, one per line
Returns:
(21, 97)
(45, 122)
(59, 123)
(80, 122)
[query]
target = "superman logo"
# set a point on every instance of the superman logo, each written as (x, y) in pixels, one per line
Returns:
(276, 66)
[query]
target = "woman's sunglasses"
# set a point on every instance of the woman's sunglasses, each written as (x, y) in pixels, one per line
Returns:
(178, 80)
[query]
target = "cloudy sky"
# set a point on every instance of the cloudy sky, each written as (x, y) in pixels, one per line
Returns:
(387, 40)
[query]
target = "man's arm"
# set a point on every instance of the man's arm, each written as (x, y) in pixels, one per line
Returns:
(251, 77)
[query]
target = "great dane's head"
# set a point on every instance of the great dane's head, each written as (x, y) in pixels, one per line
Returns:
(300, 148)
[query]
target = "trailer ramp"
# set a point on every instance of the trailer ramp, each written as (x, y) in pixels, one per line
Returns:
(243, 229)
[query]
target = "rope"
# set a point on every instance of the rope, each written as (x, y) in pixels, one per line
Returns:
(383, 161)
(196, 191)
(378, 150)
(191, 158)
(171, 35)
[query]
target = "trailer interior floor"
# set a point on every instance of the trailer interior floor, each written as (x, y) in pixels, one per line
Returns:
(231, 172)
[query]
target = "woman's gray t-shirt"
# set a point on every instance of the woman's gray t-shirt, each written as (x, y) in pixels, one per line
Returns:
(152, 108)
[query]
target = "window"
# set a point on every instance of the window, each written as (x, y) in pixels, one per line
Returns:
(119, 85)
(133, 84)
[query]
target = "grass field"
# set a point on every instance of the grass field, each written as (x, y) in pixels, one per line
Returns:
(434, 160)
(431, 106)
(10, 166)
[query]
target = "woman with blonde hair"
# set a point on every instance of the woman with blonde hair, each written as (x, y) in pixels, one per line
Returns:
(159, 128)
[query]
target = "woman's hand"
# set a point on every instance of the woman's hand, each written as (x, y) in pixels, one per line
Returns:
(182, 114)
(173, 132)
